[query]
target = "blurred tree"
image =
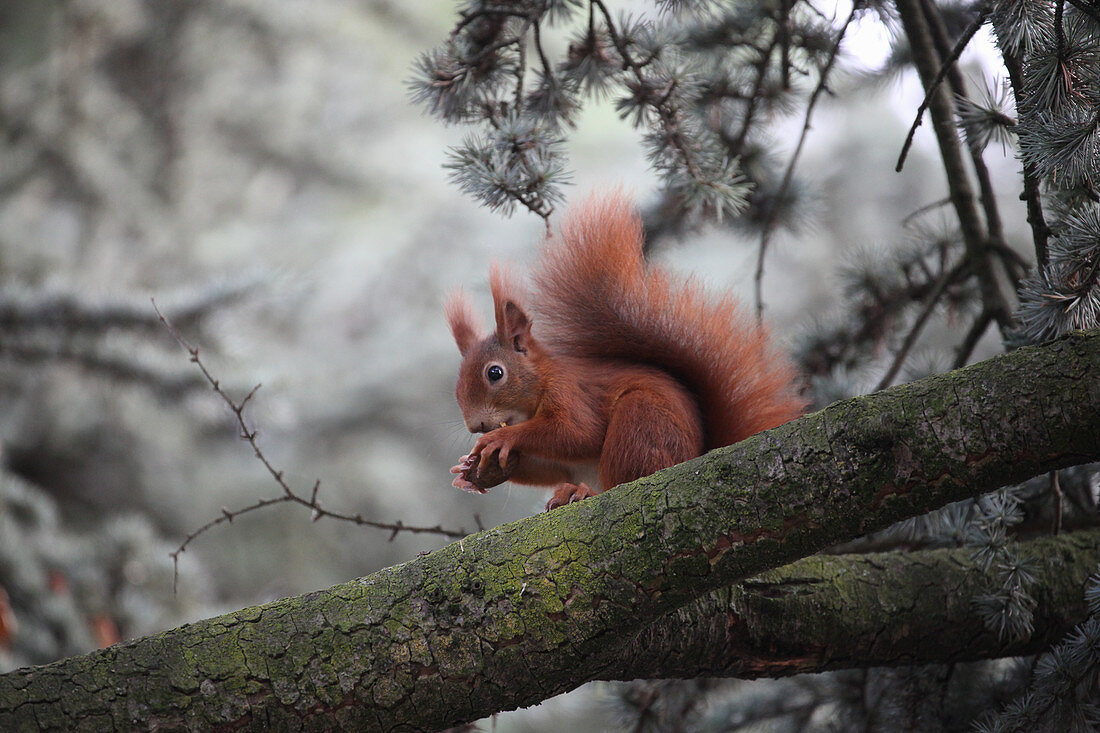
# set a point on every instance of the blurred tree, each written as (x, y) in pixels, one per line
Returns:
(185, 151)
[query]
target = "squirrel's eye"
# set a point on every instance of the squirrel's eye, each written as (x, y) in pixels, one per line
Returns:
(494, 373)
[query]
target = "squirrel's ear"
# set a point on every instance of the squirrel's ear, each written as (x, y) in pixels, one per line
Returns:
(516, 328)
(513, 326)
(464, 324)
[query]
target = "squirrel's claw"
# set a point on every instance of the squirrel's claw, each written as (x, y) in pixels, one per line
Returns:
(465, 463)
(569, 493)
(499, 442)
(465, 485)
(462, 471)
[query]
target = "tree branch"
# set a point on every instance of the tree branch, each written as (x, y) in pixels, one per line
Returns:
(1031, 194)
(962, 195)
(527, 610)
(843, 611)
(945, 67)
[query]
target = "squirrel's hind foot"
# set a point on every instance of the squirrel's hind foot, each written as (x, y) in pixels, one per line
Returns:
(569, 493)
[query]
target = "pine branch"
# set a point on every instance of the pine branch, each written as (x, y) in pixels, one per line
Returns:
(1040, 232)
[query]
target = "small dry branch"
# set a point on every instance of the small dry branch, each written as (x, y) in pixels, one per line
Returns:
(945, 68)
(289, 495)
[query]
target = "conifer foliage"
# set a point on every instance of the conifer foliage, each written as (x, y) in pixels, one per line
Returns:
(701, 79)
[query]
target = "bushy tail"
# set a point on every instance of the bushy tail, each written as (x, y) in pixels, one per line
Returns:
(597, 298)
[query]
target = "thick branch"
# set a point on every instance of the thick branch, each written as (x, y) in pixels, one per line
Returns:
(842, 611)
(527, 610)
(942, 113)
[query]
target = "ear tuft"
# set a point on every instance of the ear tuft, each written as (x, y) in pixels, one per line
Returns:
(513, 326)
(517, 327)
(465, 326)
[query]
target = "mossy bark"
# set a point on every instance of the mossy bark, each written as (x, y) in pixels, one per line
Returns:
(521, 612)
(843, 611)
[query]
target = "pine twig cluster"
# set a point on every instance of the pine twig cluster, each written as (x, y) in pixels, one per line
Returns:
(1052, 53)
(1008, 607)
(700, 80)
(1061, 694)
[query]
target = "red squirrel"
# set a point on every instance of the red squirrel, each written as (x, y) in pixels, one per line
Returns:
(611, 364)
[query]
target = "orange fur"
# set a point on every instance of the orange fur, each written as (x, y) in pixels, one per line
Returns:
(613, 363)
(598, 299)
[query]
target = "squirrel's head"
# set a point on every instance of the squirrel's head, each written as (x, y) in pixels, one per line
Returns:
(497, 382)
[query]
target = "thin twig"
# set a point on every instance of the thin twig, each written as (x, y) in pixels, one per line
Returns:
(942, 114)
(1040, 232)
(929, 305)
(970, 341)
(771, 217)
(785, 42)
(924, 210)
(964, 39)
(754, 97)
(1015, 265)
(547, 69)
(289, 495)
(988, 197)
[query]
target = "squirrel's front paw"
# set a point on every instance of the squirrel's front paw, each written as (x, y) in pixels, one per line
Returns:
(478, 479)
(464, 472)
(499, 442)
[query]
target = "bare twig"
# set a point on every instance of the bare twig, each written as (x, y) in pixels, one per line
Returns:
(947, 65)
(754, 97)
(929, 305)
(924, 210)
(942, 114)
(988, 197)
(288, 495)
(769, 222)
(977, 330)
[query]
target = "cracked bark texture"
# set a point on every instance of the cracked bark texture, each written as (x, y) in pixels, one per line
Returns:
(521, 612)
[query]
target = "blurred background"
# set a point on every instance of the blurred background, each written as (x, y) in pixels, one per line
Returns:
(258, 169)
